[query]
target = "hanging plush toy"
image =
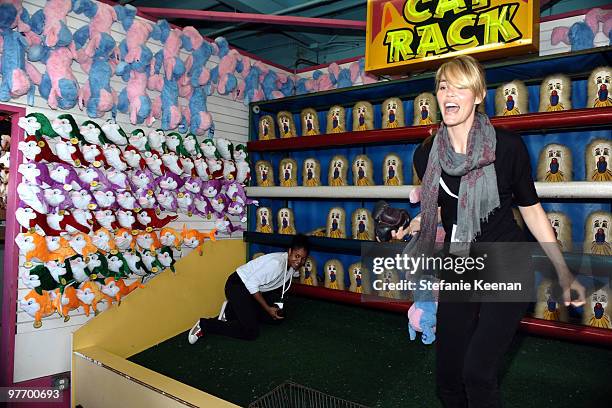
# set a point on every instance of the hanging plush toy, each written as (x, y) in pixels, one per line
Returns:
(392, 170)
(362, 225)
(511, 98)
(555, 163)
(362, 171)
(35, 173)
(264, 220)
(285, 124)
(308, 272)
(336, 120)
(167, 200)
(104, 240)
(37, 306)
(597, 160)
(124, 239)
(33, 246)
(15, 70)
(89, 295)
(311, 172)
(310, 122)
(169, 237)
(116, 289)
(336, 223)
(195, 239)
(425, 109)
(32, 196)
(422, 318)
(35, 147)
(363, 116)
(599, 87)
(33, 221)
(267, 129)
(126, 219)
(50, 22)
(555, 92)
(338, 167)
(597, 233)
(334, 274)
(392, 113)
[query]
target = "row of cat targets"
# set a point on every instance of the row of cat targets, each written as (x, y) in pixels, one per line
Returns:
(597, 229)
(333, 275)
(362, 169)
(595, 313)
(363, 118)
(362, 224)
(510, 99)
(555, 162)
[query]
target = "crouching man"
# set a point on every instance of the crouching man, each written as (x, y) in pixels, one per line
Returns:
(254, 294)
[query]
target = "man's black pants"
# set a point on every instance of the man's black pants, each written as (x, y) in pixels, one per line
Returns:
(243, 313)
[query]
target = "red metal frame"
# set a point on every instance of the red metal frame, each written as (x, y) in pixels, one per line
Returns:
(529, 121)
(11, 253)
(538, 327)
(253, 18)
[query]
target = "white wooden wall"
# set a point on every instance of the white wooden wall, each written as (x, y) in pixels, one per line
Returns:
(46, 351)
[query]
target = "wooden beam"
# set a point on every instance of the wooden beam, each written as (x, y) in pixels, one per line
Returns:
(253, 18)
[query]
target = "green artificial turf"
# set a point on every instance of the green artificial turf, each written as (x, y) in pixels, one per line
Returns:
(365, 356)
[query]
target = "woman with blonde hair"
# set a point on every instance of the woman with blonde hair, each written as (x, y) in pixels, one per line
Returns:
(472, 174)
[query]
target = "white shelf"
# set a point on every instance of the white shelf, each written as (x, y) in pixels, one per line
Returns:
(571, 189)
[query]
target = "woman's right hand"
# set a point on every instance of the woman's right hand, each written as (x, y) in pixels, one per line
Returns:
(413, 228)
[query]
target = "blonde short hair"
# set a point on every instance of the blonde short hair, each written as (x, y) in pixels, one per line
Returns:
(463, 72)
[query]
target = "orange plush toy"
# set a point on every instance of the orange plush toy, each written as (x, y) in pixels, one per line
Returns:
(89, 295)
(195, 239)
(170, 237)
(33, 246)
(59, 248)
(37, 306)
(148, 240)
(116, 289)
(82, 245)
(66, 302)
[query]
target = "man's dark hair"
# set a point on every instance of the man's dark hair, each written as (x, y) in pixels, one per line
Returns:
(300, 241)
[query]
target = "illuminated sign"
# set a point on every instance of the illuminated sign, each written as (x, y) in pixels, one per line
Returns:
(406, 34)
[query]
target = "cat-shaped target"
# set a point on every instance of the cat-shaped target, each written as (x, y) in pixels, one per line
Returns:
(548, 307)
(311, 172)
(599, 88)
(425, 109)
(596, 310)
(264, 220)
(338, 167)
(336, 223)
(264, 173)
(392, 113)
(562, 226)
(267, 130)
(555, 92)
(286, 127)
(336, 119)
(363, 116)
(308, 272)
(597, 233)
(555, 163)
(356, 277)
(334, 274)
(597, 160)
(511, 99)
(392, 170)
(310, 122)
(285, 221)
(287, 173)
(362, 225)
(362, 171)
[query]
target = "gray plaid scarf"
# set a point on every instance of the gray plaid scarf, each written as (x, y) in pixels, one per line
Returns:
(478, 195)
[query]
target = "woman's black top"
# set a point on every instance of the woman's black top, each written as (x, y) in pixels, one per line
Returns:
(514, 184)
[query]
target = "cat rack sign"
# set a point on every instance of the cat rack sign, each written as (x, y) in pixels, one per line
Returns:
(408, 35)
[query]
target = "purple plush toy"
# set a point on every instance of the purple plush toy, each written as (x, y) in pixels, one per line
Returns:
(64, 174)
(142, 179)
(35, 173)
(170, 181)
(167, 200)
(57, 197)
(211, 188)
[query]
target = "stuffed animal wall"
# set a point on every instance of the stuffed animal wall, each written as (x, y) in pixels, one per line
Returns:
(311, 172)
(555, 163)
(511, 98)
(555, 93)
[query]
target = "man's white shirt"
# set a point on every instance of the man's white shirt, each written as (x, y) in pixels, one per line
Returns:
(266, 272)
